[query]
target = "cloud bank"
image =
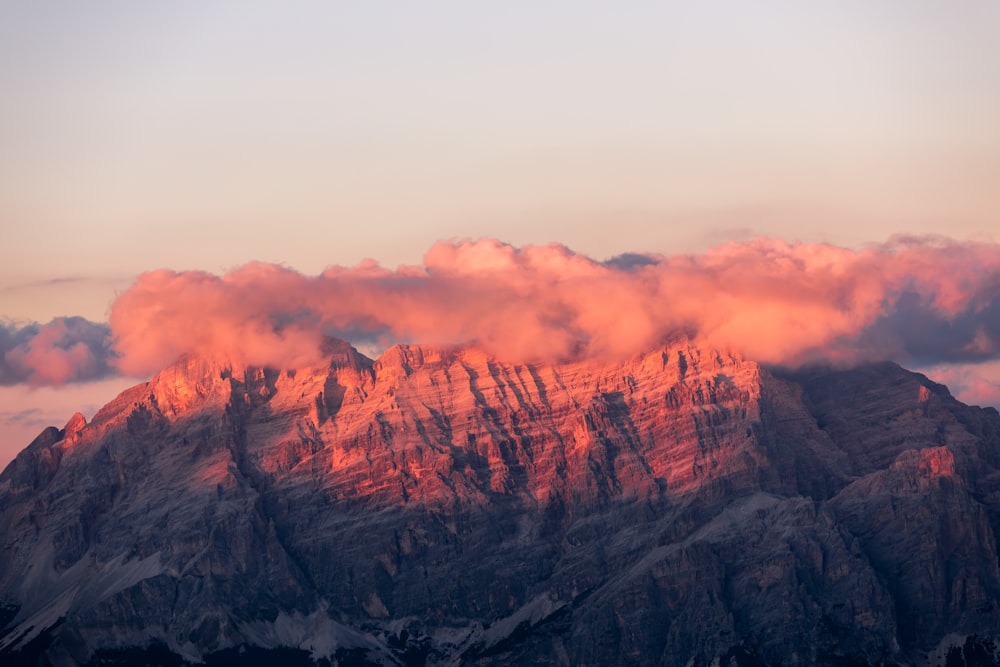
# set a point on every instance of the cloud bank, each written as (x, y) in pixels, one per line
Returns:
(67, 349)
(918, 301)
(927, 301)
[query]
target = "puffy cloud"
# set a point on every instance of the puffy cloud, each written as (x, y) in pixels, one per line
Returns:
(67, 349)
(919, 300)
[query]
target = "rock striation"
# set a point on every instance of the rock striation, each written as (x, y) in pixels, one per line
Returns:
(443, 507)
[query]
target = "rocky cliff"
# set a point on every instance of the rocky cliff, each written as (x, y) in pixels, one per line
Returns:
(441, 507)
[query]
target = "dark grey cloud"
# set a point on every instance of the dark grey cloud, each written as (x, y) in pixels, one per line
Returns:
(628, 261)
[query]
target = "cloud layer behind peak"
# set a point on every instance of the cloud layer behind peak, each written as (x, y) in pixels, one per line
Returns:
(913, 300)
(926, 302)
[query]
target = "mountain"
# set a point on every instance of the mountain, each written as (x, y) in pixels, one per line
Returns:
(442, 507)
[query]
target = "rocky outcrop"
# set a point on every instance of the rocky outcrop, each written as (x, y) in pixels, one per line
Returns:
(440, 506)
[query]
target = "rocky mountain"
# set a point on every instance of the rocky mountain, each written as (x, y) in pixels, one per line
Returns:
(441, 507)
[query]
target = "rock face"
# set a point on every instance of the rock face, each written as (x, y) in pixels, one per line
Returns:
(442, 507)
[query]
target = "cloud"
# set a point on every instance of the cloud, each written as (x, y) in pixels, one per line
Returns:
(630, 260)
(33, 417)
(67, 349)
(49, 282)
(920, 300)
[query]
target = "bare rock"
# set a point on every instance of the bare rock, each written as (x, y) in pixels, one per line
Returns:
(440, 506)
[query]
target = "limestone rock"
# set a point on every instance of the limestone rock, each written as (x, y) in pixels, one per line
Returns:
(440, 506)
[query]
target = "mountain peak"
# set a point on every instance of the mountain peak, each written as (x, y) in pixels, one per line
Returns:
(75, 424)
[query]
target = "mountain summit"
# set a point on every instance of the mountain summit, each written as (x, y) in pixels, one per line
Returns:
(443, 507)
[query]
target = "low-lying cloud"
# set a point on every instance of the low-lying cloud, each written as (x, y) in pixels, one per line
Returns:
(67, 349)
(922, 302)
(912, 300)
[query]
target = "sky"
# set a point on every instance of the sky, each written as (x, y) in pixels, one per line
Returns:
(718, 137)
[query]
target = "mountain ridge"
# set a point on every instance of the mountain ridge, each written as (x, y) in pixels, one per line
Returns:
(439, 506)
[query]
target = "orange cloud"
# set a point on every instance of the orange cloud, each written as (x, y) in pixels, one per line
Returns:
(926, 300)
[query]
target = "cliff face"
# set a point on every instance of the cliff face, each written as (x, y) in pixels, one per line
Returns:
(443, 507)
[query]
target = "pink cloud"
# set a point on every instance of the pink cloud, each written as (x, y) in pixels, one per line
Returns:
(64, 350)
(927, 300)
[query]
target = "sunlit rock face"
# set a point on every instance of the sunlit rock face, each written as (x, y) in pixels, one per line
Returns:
(439, 506)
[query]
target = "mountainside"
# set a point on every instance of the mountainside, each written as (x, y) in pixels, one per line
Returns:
(441, 507)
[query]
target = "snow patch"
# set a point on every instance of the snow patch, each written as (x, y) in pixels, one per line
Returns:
(939, 656)
(531, 614)
(49, 595)
(316, 632)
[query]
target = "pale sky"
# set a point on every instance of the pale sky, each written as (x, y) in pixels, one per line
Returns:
(207, 134)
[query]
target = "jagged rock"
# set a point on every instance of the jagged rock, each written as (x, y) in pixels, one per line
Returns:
(439, 506)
